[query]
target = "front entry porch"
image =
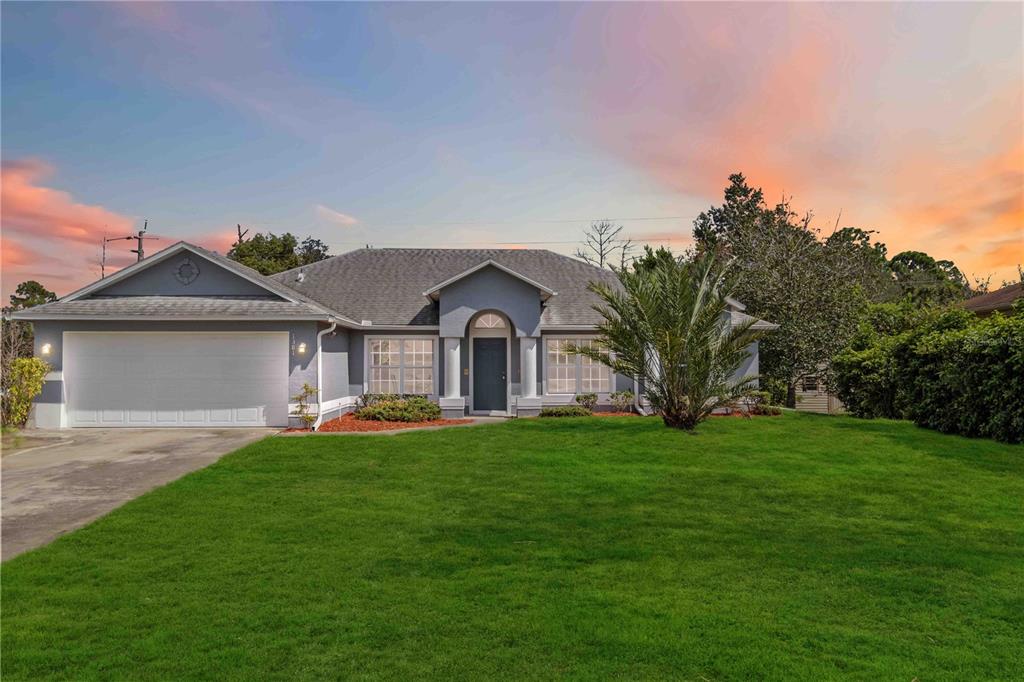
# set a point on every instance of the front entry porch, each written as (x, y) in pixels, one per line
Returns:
(488, 366)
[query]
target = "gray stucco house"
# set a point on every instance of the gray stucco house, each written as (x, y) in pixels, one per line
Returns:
(187, 337)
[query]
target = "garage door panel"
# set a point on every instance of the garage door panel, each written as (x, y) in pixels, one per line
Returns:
(177, 379)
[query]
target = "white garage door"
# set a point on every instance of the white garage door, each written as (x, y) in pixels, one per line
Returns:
(176, 378)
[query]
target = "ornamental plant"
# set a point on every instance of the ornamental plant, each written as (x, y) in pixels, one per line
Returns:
(668, 324)
(24, 381)
(587, 401)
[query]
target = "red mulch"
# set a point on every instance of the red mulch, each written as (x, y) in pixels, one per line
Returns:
(349, 423)
(617, 414)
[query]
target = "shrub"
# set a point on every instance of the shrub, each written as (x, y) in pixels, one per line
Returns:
(760, 402)
(565, 411)
(369, 399)
(952, 372)
(24, 382)
(399, 409)
(622, 401)
(302, 405)
(587, 400)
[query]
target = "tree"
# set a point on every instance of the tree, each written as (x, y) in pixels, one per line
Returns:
(927, 281)
(787, 276)
(30, 293)
(602, 246)
(270, 253)
(668, 325)
(854, 257)
(312, 250)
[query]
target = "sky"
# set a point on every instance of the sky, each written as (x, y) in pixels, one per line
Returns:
(478, 125)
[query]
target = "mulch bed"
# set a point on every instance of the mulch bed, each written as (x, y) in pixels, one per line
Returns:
(349, 423)
(617, 414)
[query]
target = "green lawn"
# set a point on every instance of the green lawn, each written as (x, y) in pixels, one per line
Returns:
(799, 547)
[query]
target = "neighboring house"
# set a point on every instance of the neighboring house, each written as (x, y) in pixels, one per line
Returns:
(187, 337)
(813, 395)
(1000, 300)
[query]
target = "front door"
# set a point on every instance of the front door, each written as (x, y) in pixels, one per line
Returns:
(489, 379)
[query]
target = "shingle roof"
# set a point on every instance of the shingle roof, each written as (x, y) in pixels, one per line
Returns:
(739, 318)
(115, 307)
(1000, 299)
(386, 286)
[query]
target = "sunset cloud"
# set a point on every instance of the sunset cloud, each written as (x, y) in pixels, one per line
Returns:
(330, 215)
(919, 137)
(47, 234)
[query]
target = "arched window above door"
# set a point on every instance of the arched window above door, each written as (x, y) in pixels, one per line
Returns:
(490, 321)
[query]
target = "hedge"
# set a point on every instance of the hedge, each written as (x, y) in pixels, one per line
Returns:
(950, 371)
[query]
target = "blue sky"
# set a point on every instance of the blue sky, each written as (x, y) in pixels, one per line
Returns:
(472, 125)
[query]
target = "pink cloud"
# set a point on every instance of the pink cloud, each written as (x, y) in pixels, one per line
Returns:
(50, 236)
(915, 133)
(330, 215)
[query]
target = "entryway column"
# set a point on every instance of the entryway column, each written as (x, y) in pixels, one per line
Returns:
(529, 366)
(528, 404)
(452, 367)
(453, 405)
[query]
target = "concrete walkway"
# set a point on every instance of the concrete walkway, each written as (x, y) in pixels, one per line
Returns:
(62, 480)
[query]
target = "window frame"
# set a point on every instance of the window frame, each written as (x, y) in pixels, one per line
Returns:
(401, 339)
(577, 364)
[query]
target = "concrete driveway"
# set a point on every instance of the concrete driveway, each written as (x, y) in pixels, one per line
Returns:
(62, 480)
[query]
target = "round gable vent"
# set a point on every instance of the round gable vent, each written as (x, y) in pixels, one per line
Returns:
(186, 272)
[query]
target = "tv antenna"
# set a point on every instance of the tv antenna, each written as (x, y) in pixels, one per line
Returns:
(140, 251)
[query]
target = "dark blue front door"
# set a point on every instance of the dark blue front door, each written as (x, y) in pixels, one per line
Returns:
(489, 364)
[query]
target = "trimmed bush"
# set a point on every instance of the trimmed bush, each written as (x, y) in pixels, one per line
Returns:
(587, 401)
(952, 372)
(565, 411)
(760, 402)
(396, 409)
(622, 401)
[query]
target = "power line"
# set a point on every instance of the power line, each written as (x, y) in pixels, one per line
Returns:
(522, 221)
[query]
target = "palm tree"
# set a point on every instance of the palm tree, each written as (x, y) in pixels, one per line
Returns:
(669, 325)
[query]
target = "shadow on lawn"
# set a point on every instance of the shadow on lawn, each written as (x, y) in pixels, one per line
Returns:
(980, 453)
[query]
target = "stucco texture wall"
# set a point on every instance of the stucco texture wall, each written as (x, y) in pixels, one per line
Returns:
(159, 280)
(490, 289)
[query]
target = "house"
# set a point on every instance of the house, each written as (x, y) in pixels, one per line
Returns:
(1000, 300)
(187, 337)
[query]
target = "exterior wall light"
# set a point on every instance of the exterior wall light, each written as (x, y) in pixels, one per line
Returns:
(301, 349)
(45, 349)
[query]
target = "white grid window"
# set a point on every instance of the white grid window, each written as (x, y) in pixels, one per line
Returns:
(385, 365)
(418, 366)
(571, 373)
(595, 376)
(560, 367)
(401, 366)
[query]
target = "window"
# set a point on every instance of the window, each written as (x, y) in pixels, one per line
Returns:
(570, 373)
(418, 366)
(594, 375)
(401, 366)
(810, 384)
(489, 321)
(561, 367)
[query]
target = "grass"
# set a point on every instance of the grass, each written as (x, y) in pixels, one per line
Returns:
(800, 547)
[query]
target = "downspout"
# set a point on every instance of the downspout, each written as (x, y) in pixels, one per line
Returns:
(320, 371)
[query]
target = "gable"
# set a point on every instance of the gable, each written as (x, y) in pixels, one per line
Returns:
(164, 279)
(490, 288)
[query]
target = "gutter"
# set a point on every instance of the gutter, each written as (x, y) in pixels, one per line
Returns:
(320, 371)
